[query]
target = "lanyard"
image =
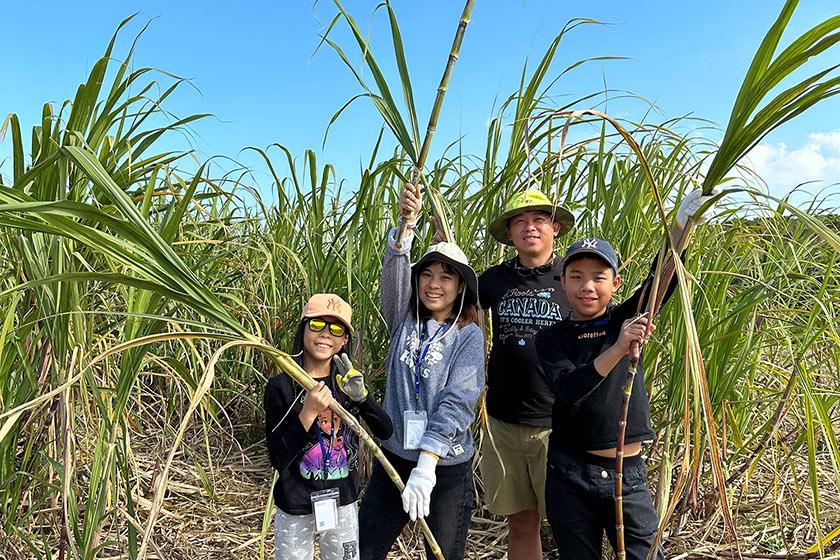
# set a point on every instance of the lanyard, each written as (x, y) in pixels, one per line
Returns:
(422, 350)
(326, 451)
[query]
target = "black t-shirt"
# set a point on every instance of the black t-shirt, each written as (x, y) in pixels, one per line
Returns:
(587, 407)
(299, 454)
(523, 301)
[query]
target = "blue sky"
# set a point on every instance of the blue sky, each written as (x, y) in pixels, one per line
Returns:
(253, 67)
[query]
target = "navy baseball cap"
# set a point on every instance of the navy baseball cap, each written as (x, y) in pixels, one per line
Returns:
(595, 247)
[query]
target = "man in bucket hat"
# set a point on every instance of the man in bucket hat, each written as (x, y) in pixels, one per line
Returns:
(524, 296)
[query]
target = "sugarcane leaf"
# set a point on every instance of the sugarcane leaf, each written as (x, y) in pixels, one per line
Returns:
(746, 100)
(388, 111)
(405, 79)
(383, 100)
(763, 75)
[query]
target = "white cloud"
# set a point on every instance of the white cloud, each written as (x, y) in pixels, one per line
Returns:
(783, 168)
(830, 139)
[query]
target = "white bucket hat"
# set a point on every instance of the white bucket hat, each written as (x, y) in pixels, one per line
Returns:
(451, 254)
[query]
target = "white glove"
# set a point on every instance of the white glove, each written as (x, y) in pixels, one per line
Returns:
(691, 204)
(417, 495)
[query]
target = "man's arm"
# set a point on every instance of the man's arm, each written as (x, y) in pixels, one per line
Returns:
(571, 382)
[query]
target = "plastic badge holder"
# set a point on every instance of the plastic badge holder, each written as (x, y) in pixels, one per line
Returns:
(325, 508)
(414, 426)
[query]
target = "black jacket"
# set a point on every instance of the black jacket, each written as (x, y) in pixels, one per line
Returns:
(299, 454)
(587, 405)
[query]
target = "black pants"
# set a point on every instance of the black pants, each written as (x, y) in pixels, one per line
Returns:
(381, 516)
(580, 506)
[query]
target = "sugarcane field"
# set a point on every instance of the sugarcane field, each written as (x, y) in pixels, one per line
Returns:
(357, 280)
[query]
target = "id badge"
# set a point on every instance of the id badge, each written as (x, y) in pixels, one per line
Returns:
(414, 426)
(325, 508)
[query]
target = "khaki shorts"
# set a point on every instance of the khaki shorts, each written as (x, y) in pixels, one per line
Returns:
(521, 484)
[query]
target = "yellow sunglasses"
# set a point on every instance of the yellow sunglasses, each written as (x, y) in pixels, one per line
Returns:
(336, 329)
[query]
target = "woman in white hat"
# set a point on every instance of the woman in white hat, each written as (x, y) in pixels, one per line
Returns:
(434, 378)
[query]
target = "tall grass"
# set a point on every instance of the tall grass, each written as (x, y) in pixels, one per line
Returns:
(123, 276)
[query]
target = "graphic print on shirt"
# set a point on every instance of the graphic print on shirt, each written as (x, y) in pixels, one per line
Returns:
(432, 357)
(521, 314)
(334, 454)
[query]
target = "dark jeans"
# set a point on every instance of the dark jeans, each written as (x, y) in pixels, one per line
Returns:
(381, 516)
(580, 506)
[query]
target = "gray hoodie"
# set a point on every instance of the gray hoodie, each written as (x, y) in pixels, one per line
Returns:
(452, 370)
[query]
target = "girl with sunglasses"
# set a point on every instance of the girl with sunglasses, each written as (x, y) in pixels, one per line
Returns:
(314, 452)
(435, 374)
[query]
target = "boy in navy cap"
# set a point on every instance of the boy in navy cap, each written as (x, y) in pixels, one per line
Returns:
(585, 360)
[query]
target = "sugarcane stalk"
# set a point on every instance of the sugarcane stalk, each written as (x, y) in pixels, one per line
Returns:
(665, 270)
(619, 457)
(444, 229)
(433, 117)
(293, 370)
(635, 353)
(654, 297)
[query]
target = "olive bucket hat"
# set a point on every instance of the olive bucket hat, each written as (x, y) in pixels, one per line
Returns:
(523, 202)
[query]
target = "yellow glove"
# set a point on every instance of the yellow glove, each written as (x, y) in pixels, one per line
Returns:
(350, 381)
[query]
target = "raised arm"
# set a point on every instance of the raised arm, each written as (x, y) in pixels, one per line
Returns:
(693, 210)
(395, 280)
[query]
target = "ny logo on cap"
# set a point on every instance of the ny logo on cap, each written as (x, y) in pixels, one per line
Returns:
(590, 243)
(334, 304)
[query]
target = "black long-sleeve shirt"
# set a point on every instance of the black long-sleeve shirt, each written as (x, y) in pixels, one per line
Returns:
(321, 457)
(521, 305)
(587, 405)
